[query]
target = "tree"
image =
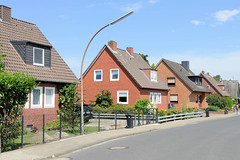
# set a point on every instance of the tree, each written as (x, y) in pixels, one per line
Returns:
(68, 99)
(217, 100)
(217, 78)
(104, 99)
(14, 90)
(153, 66)
(144, 57)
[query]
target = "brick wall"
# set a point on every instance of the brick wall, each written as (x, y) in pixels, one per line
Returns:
(34, 116)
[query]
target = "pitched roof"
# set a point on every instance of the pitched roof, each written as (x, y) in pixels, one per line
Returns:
(183, 74)
(133, 65)
(19, 30)
(214, 84)
(232, 87)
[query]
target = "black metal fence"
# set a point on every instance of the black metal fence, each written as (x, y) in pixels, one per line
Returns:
(42, 128)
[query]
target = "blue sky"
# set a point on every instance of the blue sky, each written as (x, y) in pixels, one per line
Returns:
(204, 32)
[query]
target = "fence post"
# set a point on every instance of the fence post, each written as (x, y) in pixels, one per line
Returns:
(43, 127)
(98, 121)
(81, 123)
(22, 132)
(60, 131)
(156, 115)
(153, 115)
(115, 119)
(138, 117)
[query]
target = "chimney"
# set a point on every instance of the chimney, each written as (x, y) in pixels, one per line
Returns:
(113, 45)
(203, 72)
(208, 74)
(185, 65)
(130, 50)
(5, 14)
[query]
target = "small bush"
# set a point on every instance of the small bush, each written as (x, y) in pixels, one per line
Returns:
(142, 104)
(162, 112)
(187, 110)
(172, 111)
(213, 108)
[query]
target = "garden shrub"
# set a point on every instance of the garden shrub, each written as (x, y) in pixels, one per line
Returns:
(104, 99)
(213, 108)
(162, 112)
(187, 110)
(217, 100)
(229, 103)
(172, 111)
(142, 104)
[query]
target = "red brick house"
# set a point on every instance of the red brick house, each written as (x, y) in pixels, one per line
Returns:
(186, 88)
(126, 75)
(215, 86)
(30, 52)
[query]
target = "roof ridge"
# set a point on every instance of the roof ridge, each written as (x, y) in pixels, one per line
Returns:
(23, 21)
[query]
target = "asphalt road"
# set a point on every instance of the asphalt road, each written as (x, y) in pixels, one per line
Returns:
(211, 140)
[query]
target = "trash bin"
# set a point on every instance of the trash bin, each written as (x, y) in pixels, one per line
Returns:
(130, 119)
(207, 113)
(226, 111)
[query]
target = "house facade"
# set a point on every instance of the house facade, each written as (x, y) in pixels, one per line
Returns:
(232, 87)
(30, 52)
(215, 86)
(186, 88)
(126, 75)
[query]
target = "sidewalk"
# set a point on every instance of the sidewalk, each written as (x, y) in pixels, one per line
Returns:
(57, 148)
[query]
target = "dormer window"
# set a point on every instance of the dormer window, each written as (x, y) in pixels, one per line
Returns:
(38, 56)
(196, 79)
(153, 76)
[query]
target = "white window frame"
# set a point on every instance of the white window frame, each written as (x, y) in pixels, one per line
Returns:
(41, 96)
(118, 97)
(159, 98)
(27, 103)
(38, 64)
(151, 97)
(98, 80)
(53, 98)
(152, 76)
(111, 79)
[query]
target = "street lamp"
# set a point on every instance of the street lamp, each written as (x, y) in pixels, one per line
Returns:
(112, 23)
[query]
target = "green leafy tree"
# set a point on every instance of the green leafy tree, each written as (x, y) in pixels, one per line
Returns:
(104, 99)
(153, 66)
(217, 78)
(68, 98)
(14, 90)
(144, 56)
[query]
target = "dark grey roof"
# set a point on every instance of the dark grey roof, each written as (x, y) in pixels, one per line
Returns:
(214, 84)
(133, 65)
(232, 87)
(183, 74)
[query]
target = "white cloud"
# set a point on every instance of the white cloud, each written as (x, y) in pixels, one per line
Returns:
(224, 64)
(226, 15)
(196, 22)
(131, 7)
(153, 1)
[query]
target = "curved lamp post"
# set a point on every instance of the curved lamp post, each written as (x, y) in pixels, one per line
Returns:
(112, 23)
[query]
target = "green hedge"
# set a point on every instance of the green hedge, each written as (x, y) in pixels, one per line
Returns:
(213, 108)
(119, 108)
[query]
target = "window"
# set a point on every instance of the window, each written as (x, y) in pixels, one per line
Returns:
(27, 103)
(155, 98)
(36, 97)
(153, 76)
(174, 98)
(171, 81)
(223, 88)
(98, 75)
(208, 86)
(49, 99)
(159, 98)
(114, 74)
(122, 97)
(38, 56)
